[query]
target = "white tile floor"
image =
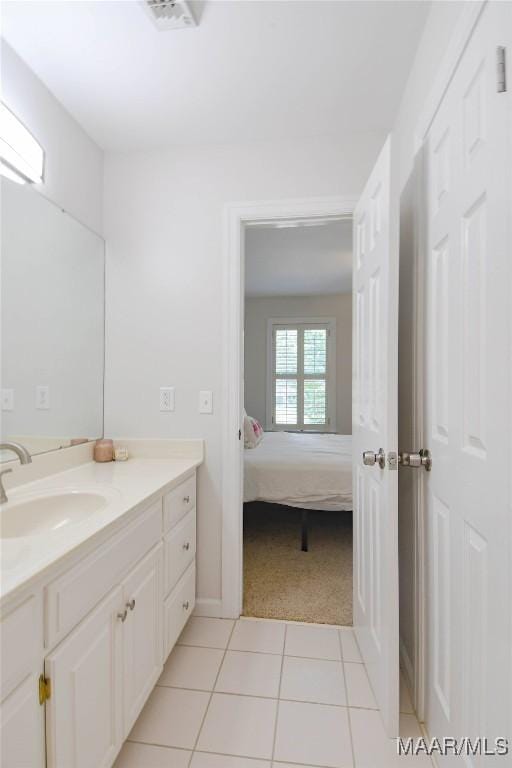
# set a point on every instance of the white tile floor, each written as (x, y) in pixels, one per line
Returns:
(263, 694)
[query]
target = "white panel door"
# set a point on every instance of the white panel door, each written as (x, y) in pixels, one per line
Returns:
(374, 427)
(468, 397)
(83, 713)
(142, 634)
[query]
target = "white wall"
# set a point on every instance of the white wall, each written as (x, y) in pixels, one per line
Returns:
(74, 163)
(163, 224)
(259, 310)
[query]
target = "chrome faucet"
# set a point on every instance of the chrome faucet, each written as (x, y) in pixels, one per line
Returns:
(24, 457)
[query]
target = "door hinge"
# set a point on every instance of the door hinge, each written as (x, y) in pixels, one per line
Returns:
(45, 689)
(239, 434)
(501, 69)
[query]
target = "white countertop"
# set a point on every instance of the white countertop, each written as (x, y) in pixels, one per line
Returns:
(129, 485)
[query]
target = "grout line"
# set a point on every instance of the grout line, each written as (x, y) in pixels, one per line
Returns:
(306, 765)
(234, 757)
(278, 698)
(155, 744)
(261, 759)
(271, 698)
(347, 701)
(293, 623)
(211, 693)
(217, 648)
(265, 653)
(226, 754)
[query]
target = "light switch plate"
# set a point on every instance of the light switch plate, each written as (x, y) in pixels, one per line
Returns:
(7, 399)
(42, 398)
(167, 398)
(206, 401)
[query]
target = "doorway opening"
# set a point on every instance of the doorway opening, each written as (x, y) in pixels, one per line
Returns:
(297, 513)
(279, 529)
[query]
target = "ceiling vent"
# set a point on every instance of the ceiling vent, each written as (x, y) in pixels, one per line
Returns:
(170, 14)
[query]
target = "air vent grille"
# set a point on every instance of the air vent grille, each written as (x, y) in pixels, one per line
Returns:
(170, 14)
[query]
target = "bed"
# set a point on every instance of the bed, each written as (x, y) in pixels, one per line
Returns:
(306, 471)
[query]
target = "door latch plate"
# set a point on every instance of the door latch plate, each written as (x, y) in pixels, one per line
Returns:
(392, 460)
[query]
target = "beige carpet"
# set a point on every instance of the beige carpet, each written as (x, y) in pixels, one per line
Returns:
(281, 581)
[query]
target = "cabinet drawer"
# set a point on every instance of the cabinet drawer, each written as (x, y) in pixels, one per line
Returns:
(178, 607)
(71, 596)
(20, 642)
(178, 502)
(180, 549)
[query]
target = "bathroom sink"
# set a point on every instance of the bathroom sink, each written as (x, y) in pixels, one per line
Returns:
(51, 511)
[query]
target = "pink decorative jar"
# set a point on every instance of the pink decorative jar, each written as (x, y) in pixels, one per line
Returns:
(104, 450)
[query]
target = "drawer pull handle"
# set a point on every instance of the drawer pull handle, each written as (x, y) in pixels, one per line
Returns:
(186, 546)
(131, 604)
(122, 616)
(186, 499)
(186, 605)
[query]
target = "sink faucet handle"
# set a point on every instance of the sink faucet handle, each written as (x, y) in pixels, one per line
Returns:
(3, 495)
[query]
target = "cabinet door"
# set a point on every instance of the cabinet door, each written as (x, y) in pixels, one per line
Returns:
(22, 727)
(178, 607)
(83, 715)
(142, 634)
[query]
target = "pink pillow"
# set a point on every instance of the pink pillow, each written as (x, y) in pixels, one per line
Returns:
(253, 432)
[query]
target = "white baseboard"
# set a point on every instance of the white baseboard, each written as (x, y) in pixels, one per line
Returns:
(209, 607)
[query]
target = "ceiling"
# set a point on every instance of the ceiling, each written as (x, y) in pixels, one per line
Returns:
(250, 71)
(299, 261)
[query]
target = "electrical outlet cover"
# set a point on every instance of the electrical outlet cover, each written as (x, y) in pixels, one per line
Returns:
(167, 399)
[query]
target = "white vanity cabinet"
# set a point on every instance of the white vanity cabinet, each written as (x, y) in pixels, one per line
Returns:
(102, 674)
(21, 716)
(109, 621)
(84, 712)
(142, 634)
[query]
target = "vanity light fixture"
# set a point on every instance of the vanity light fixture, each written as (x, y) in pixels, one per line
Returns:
(21, 155)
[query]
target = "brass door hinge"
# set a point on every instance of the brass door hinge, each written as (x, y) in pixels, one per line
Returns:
(45, 689)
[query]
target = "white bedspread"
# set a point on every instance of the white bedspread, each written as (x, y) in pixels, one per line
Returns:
(301, 470)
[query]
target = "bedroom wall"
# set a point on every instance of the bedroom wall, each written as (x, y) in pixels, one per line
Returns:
(73, 162)
(259, 310)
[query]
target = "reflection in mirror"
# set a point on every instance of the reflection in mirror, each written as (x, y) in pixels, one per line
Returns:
(52, 317)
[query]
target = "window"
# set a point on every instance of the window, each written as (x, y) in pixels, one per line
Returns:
(301, 386)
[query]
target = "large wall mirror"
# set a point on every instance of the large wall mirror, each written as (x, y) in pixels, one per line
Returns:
(52, 316)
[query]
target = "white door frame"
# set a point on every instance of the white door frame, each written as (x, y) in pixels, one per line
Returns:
(236, 217)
